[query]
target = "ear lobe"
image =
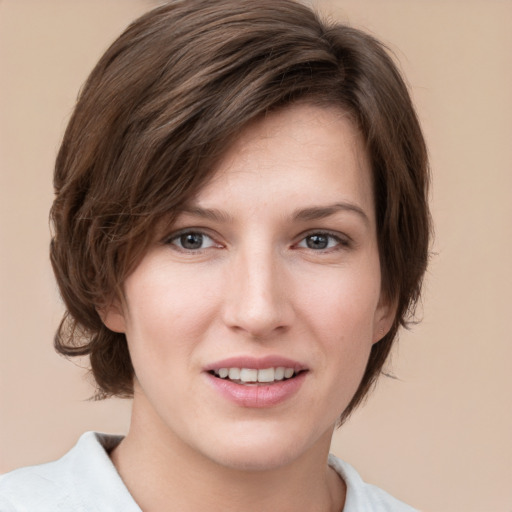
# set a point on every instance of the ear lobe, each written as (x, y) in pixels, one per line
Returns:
(384, 317)
(113, 318)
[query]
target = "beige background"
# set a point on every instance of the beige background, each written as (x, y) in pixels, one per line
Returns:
(440, 436)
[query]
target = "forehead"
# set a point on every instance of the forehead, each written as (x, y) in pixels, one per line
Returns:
(298, 152)
(303, 123)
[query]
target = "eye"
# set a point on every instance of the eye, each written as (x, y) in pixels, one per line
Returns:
(192, 241)
(321, 241)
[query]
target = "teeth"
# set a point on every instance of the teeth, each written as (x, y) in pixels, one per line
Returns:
(288, 372)
(234, 373)
(279, 373)
(252, 375)
(247, 375)
(266, 375)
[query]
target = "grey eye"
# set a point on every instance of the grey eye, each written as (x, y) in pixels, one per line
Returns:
(317, 241)
(321, 241)
(192, 241)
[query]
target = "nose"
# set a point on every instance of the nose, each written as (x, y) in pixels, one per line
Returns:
(258, 302)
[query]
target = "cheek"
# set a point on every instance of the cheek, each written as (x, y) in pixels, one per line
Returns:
(340, 310)
(344, 302)
(166, 314)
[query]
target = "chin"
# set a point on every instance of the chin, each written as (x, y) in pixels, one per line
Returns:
(255, 458)
(266, 450)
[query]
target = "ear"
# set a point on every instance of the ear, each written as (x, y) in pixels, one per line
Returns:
(384, 317)
(113, 317)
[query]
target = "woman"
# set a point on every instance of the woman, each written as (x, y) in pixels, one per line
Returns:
(240, 228)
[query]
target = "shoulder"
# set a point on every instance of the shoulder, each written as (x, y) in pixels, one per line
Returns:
(33, 488)
(363, 496)
(79, 481)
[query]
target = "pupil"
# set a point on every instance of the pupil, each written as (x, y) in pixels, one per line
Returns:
(317, 241)
(191, 241)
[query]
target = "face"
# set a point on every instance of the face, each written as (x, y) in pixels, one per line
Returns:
(251, 318)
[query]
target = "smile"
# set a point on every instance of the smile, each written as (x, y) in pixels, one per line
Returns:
(253, 375)
(256, 382)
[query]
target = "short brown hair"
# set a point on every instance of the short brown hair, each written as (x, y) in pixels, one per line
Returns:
(161, 107)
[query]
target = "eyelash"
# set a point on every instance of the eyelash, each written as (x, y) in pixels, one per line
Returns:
(340, 241)
(190, 232)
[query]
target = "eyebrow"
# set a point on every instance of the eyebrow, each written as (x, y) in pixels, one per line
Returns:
(212, 214)
(302, 214)
(321, 212)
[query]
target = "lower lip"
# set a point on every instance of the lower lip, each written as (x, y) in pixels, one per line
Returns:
(257, 395)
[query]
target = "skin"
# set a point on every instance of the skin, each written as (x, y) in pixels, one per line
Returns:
(256, 286)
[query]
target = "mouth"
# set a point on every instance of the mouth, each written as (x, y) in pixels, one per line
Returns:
(254, 376)
(257, 382)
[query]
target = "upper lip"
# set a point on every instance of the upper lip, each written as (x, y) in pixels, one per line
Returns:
(257, 363)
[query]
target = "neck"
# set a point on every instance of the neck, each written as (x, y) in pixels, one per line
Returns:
(165, 474)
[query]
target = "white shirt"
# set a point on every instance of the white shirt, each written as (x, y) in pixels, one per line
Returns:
(85, 480)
